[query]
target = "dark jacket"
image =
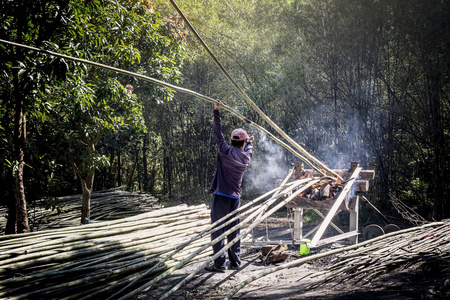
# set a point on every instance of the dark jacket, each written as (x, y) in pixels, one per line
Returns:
(231, 163)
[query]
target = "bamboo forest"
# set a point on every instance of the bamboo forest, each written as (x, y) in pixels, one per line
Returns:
(362, 81)
(106, 111)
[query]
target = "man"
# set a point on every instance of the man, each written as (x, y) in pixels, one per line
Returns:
(231, 165)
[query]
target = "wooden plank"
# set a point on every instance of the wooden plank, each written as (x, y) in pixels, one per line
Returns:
(302, 202)
(344, 173)
(338, 237)
(362, 185)
(354, 219)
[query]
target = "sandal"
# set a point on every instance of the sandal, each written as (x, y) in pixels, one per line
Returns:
(214, 268)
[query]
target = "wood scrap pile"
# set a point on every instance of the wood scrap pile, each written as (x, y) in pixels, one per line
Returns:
(94, 260)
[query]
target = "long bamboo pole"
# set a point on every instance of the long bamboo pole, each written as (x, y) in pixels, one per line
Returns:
(59, 254)
(245, 232)
(64, 264)
(249, 101)
(77, 237)
(410, 248)
(131, 266)
(173, 87)
(210, 229)
(16, 245)
(94, 226)
(242, 223)
(78, 241)
(335, 207)
(107, 273)
(219, 224)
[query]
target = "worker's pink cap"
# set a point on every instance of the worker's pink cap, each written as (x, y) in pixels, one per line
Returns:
(239, 134)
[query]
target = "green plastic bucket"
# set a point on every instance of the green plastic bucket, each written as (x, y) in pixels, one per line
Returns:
(304, 247)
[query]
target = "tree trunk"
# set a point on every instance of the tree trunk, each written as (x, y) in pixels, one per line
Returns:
(133, 170)
(144, 163)
(119, 168)
(152, 179)
(167, 174)
(87, 182)
(11, 222)
(19, 188)
(111, 180)
(86, 186)
(438, 142)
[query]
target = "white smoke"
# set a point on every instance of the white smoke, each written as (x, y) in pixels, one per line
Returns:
(268, 164)
(336, 149)
(272, 162)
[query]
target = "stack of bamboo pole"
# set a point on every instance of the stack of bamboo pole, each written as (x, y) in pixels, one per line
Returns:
(366, 263)
(106, 205)
(123, 257)
(108, 258)
(92, 261)
(363, 262)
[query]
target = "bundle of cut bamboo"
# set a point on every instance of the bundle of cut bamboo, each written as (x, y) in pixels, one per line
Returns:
(106, 205)
(128, 255)
(424, 244)
(91, 261)
(362, 262)
(252, 214)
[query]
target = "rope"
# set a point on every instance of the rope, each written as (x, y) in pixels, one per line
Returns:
(406, 212)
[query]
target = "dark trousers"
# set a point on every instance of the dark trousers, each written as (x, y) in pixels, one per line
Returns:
(221, 206)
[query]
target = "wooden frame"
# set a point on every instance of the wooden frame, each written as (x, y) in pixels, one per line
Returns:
(348, 199)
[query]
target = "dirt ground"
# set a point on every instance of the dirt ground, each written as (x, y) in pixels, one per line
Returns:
(414, 282)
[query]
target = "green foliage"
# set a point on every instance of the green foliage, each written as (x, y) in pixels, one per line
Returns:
(72, 106)
(349, 80)
(417, 194)
(94, 104)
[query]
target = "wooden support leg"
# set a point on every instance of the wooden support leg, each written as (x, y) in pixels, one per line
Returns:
(354, 215)
(335, 207)
(298, 223)
(331, 223)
